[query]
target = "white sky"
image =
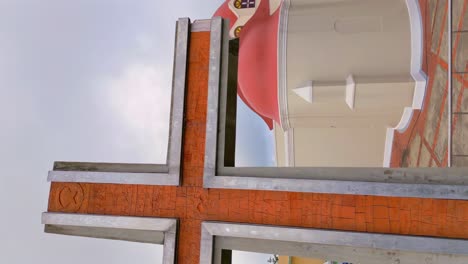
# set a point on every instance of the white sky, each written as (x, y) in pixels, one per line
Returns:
(88, 80)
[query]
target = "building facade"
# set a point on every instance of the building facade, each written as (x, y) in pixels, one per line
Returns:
(200, 207)
(330, 76)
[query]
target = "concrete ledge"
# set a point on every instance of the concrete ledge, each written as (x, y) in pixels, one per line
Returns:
(113, 177)
(140, 229)
(201, 25)
(409, 249)
(214, 79)
(340, 187)
(148, 174)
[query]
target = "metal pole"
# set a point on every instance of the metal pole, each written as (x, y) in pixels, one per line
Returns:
(449, 32)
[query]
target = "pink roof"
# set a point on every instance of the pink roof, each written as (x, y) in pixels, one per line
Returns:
(225, 12)
(258, 63)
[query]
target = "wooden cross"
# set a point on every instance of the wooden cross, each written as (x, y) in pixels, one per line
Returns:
(192, 204)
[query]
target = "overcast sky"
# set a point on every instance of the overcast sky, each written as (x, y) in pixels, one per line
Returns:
(89, 80)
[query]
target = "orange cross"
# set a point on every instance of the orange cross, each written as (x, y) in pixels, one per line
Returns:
(192, 204)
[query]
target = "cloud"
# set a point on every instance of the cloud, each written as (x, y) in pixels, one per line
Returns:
(140, 99)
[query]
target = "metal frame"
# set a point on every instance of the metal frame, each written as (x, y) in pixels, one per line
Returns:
(443, 183)
(139, 229)
(148, 174)
(381, 248)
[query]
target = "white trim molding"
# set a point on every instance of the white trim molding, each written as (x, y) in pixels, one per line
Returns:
(417, 53)
(420, 78)
(350, 92)
(305, 91)
(282, 65)
(289, 155)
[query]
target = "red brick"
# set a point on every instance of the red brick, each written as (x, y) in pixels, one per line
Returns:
(344, 224)
(380, 212)
(394, 213)
(461, 208)
(349, 200)
(381, 225)
(395, 227)
(343, 211)
(360, 222)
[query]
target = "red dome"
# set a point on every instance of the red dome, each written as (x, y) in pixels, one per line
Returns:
(225, 12)
(258, 63)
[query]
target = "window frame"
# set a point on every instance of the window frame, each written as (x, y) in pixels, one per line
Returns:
(439, 183)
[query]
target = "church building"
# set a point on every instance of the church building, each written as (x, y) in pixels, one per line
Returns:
(330, 76)
(338, 81)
